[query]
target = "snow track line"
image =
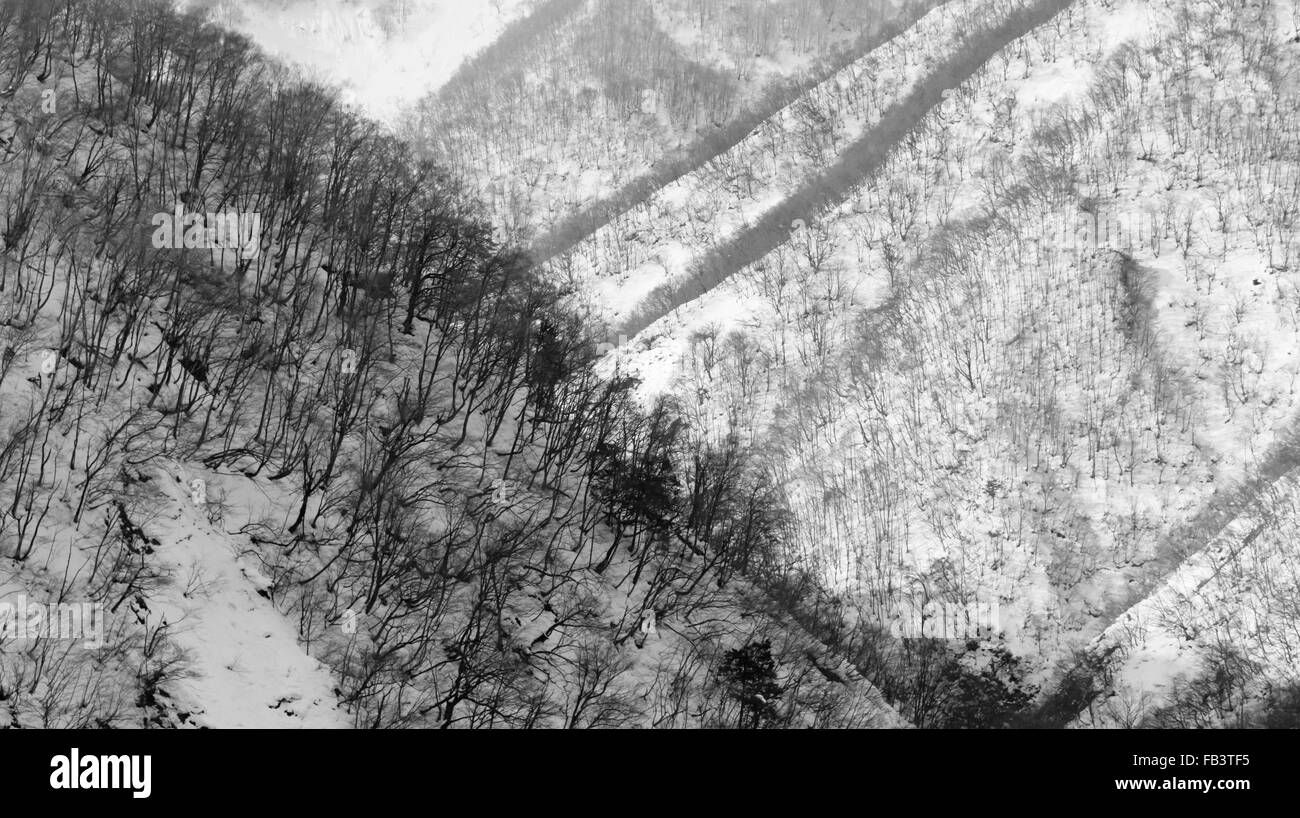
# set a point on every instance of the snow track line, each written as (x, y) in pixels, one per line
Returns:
(1241, 506)
(1112, 648)
(578, 227)
(831, 187)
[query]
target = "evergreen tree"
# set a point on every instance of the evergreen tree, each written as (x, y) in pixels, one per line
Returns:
(750, 676)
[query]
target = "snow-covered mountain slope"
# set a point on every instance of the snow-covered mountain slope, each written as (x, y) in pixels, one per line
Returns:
(991, 320)
(1030, 351)
(309, 483)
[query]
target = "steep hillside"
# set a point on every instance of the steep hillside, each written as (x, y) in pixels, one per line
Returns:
(1216, 644)
(1029, 360)
(313, 449)
(649, 363)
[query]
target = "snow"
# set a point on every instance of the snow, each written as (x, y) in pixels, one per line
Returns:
(1229, 346)
(249, 670)
(383, 63)
(1243, 316)
(1234, 592)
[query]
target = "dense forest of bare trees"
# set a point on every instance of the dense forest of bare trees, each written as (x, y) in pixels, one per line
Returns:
(468, 525)
(972, 387)
(955, 335)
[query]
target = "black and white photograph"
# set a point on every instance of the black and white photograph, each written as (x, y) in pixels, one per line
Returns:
(683, 365)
